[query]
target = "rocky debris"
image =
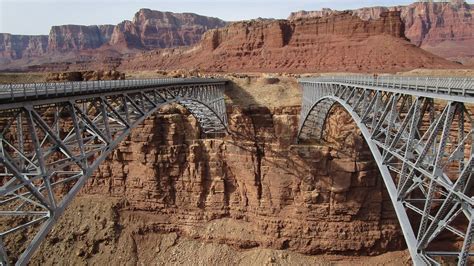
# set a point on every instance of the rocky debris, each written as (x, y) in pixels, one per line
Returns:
(64, 76)
(85, 76)
(103, 75)
(445, 28)
(270, 80)
(182, 73)
(106, 235)
(340, 42)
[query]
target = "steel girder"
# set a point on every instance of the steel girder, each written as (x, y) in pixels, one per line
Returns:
(50, 147)
(423, 146)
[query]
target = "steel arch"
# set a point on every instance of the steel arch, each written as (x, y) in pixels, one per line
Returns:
(49, 147)
(415, 145)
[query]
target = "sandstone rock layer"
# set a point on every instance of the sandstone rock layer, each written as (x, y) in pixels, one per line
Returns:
(339, 42)
(305, 198)
(443, 28)
(149, 29)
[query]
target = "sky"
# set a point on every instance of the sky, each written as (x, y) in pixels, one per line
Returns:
(35, 17)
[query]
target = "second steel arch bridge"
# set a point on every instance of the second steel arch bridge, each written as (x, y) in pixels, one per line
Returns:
(420, 133)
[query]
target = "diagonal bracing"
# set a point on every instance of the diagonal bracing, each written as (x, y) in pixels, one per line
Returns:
(420, 132)
(53, 137)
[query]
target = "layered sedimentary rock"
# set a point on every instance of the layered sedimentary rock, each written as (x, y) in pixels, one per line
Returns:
(443, 28)
(254, 188)
(166, 29)
(339, 42)
(17, 46)
(148, 30)
(68, 38)
(154, 29)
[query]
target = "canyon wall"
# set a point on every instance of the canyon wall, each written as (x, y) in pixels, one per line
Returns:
(149, 29)
(19, 46)
(443, 28)
(338, 42)
(362, 40)
(68, 38)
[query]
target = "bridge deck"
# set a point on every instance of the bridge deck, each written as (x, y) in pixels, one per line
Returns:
(15, 94)
(450, 89)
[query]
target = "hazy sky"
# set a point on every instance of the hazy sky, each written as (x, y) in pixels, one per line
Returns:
(37, 16)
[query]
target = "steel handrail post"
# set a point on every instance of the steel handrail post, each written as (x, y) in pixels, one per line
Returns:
(11, 91)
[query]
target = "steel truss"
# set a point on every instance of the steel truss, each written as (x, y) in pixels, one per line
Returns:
(421, 137)
(50, 146)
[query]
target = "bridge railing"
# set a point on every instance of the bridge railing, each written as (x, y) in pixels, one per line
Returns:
(36, 90)
(440, 85)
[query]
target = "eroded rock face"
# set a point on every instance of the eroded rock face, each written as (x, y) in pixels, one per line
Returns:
(68, 38)
(306, 198)
(148, 30)
(166, 29)
(339, 42)
(14, 47)
(152, 29)
(443, 28)
(105, 235)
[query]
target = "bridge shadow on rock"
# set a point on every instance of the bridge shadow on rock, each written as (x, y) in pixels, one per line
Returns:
(337, 178)
(357, 184)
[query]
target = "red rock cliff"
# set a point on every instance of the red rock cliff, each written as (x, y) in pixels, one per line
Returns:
(443, 28)
(306, 198)
(149, 30)
(68, 38)
(251, 188)
(154, 29)
(339, 42)
(17, 46)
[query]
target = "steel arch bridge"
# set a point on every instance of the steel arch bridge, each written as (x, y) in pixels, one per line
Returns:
(53, 136)
(420, 132)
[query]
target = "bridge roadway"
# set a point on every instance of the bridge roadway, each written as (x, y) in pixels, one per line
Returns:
(15, 93)
(420, 133)
(54, 135)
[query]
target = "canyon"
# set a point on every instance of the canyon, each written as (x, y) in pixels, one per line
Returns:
(170, 194)
(167, 191)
